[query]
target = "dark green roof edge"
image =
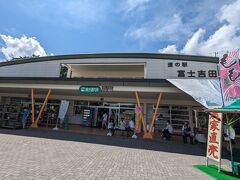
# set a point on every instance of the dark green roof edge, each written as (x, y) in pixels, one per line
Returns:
(113, 55)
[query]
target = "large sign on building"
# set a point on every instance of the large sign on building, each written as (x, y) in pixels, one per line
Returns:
(188, 69)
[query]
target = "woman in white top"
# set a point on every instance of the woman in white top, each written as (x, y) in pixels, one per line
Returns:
(122, 126)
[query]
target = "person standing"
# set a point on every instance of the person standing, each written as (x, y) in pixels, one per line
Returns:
(110, 128)
(104, 120)
(25, 115)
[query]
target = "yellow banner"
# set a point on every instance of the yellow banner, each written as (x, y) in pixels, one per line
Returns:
(138, 119)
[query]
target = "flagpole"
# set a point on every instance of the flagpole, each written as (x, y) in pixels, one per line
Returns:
(219, 78)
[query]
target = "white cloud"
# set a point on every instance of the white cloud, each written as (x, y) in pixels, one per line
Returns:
(133, 5)
(21, 47)
(225, 38)
(192, 44)
(169, 49)
(159, 29)
(230, 13)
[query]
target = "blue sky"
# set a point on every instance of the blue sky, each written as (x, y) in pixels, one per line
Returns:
(87, 26)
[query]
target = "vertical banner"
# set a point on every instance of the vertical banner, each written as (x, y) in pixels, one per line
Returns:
(214, 142)
(63, 110)
(139, 110)
(229, 71)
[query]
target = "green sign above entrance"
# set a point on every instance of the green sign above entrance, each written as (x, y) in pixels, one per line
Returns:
(90, 89)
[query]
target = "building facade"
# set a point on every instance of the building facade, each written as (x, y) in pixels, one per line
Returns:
(107, 82)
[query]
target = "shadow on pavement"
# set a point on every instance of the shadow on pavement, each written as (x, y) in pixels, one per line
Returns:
(164, 146)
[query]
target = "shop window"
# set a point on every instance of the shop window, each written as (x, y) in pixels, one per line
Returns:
(163, 116)
(78, 110)
(202, 120)
(111, 104)
(95, 103)
(79, 106)
(177, 115)
(180, 107)
(63, 71)
(127, 106)
(80, 103)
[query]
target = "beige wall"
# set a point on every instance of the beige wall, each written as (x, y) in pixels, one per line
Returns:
(154, 68)
(115, 71)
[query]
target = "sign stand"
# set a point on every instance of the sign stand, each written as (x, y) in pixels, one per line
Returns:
(62, 112)
(214, 143)
(56, 127)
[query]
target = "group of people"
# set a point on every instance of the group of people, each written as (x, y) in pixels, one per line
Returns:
(123, 126)
(111, 124)
(187, 132)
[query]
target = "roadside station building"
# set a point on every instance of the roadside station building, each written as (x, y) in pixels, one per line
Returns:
(107, 82)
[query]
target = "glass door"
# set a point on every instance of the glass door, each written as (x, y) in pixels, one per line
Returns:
(114, 115)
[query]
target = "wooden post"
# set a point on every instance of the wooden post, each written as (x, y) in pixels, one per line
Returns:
(148, 135)
(155, 113)
(138, 102)
(33, 125)
(42, 108)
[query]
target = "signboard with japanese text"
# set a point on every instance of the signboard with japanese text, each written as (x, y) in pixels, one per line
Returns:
(190, 70)
(107, 88)
(214, 143)
(63, 110)
(230, 75)
(90, 90)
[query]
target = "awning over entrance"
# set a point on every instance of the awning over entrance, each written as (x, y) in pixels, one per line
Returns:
(205, 91)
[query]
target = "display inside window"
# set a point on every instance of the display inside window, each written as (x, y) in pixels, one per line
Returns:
(162, 117)
(79, 107)
(63, 71)
(177, 115)
(86, 113)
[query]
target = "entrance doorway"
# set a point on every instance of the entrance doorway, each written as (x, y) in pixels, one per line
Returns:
(114, 116)
(114, 111)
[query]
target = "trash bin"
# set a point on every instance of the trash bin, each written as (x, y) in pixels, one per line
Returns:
(236, 168)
